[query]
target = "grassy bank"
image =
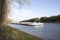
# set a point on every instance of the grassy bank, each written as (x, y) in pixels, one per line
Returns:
(9, 33)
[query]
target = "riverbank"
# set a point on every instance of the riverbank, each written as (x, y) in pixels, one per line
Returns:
(10, 33)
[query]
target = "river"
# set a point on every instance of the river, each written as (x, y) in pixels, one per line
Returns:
(47, 31)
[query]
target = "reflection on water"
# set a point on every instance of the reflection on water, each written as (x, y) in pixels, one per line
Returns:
(48, 31)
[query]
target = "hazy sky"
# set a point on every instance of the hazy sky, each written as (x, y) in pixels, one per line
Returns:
(36, 8)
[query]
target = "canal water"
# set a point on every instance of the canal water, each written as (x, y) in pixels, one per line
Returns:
(47, 31)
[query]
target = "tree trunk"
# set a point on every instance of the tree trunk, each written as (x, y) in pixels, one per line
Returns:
(3, 12)
(3, 15)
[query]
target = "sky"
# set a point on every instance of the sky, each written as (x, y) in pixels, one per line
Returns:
(36, 8)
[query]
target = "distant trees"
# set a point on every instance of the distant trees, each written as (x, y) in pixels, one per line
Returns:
(31, 20)
(50, 19)
(44, 19)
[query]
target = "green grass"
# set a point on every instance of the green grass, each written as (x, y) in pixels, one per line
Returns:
(9, 33)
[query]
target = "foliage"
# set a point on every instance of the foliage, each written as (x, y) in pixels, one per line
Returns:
(50, 19)
(31, 20)
(44, 19)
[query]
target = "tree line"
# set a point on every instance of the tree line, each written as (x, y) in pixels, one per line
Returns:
(50, 19)
(44, 19)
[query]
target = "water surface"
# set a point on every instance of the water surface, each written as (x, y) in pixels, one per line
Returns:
(47, 31)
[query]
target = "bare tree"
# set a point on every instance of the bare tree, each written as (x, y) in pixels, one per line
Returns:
(4, 9)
